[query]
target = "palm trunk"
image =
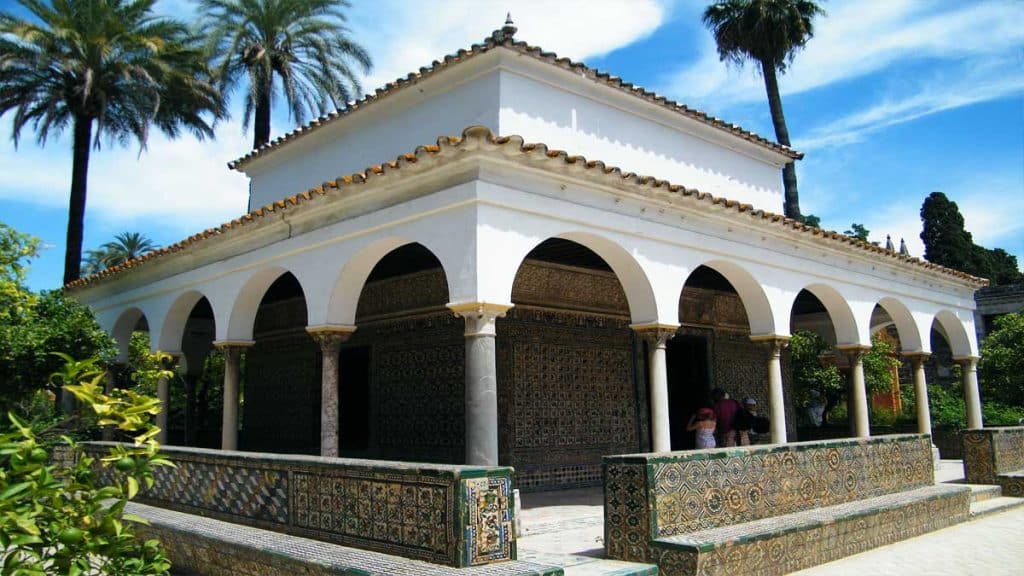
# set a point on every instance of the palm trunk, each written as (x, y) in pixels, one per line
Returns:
(76, 211)
(791, 207)
(261, 124)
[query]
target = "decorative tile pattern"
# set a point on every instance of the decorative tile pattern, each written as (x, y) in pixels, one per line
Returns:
(718, 501)
(995, 456)
(489, 508)
(454, 515)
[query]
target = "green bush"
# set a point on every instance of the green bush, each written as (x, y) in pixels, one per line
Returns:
(59, 520)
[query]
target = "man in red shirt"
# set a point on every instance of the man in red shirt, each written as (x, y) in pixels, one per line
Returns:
(725, 414)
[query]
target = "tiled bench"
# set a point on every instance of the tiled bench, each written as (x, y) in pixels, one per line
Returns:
(995, 456)
(447, 515)
(197, 545)
(773, 509)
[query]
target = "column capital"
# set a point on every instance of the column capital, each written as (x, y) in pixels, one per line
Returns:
(330, 337)
(775, 342)
(916, 357)
(655, 334)
(856, 352)
(226, 345)
(969, 362)
(480, 316)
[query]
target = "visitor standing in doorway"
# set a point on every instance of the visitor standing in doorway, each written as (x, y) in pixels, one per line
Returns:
(744, 421)
(703, 425)
(725, 409)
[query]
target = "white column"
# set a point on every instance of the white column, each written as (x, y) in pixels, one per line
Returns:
(481, 380)
(776, 397)
(858, 389)
(972, 397)
(229, 423)
(924, 417)
(330, 339)
(657, 336)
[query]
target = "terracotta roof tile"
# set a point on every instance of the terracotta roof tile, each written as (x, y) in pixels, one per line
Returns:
(504, 38)
(511, 145)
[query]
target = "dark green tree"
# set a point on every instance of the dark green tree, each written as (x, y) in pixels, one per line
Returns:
(948, 243)
(302, 44)
(1002, 361)
(100, 67)
(769, 32)
(858, 231)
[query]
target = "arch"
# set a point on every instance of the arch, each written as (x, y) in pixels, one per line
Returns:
(126, 323)
(643, 308)
(173, 328)
(910, 336)
(956, 334)
(752, 295)
(348, 287)
(247, 301)
(840, 313)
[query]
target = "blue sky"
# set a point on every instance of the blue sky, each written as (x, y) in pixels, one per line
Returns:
(891, 100)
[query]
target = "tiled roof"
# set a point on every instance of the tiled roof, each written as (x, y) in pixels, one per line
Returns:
(480, 138)
(504, 38)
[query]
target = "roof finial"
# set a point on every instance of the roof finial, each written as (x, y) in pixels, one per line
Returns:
(903, 247)
(507, 31)
(888, 243)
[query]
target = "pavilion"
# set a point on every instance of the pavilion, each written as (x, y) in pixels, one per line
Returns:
(427, 276)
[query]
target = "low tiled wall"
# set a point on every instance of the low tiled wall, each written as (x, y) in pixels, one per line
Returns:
(649, 496)
(990, 454)
(453, 515)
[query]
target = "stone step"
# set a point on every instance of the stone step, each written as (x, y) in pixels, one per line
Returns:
(982, 492)
(994, 505)
(601, 567)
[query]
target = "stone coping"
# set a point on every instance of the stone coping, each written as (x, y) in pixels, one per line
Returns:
(460, 470)
(760, 449)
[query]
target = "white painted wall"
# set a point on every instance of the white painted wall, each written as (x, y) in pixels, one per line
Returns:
(382, 132)
(599, 130)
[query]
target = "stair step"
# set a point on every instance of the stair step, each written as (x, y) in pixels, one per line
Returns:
(600, 567)
(994, 505)
(982, 492)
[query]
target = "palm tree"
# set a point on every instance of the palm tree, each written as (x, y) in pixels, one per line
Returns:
(126, 246)
(303, 44)
(769, 32)
(102, 67)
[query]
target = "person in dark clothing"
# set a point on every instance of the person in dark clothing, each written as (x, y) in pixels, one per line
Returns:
(725, 413)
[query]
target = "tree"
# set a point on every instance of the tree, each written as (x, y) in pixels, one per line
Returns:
(770, 32)
(812, 376)
(125, 246)
(302, 44)
(858, 231)
(62, 519)
(948, 243)
(1002, 361)
(101, 67)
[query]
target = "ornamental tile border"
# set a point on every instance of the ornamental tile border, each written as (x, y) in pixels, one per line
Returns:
(453, 515)
(995, 456)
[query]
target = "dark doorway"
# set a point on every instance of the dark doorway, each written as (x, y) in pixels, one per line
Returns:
(354, 399)
(688, 385)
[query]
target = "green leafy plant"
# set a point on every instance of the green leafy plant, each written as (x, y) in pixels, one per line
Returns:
(63, 519)
(1002, 361)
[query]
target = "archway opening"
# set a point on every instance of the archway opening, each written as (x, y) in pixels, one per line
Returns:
(819, 373)
(568, 378)
(711, 351)
(197, 404)
(279, 398)
(401, 384)
(890, 401)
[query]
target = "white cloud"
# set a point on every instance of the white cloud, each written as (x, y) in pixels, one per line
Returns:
(403, 36)
(859, 38)
(184, 183)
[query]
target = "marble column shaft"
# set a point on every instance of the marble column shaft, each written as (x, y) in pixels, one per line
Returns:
(776, 396)
(924, 417)
(972, 397)
(657, 338)
(330, 341)
(232, 375)
(859, 391)
(481, 381)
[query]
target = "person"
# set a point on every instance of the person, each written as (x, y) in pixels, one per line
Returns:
(703, 425)
(725, 412)
(815, 409)
(744, 421)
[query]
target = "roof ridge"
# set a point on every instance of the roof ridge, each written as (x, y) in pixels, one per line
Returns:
(505, 37)
(477, 137)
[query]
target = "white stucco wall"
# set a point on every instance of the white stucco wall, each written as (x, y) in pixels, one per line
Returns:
(373, 136)
(580, 124)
